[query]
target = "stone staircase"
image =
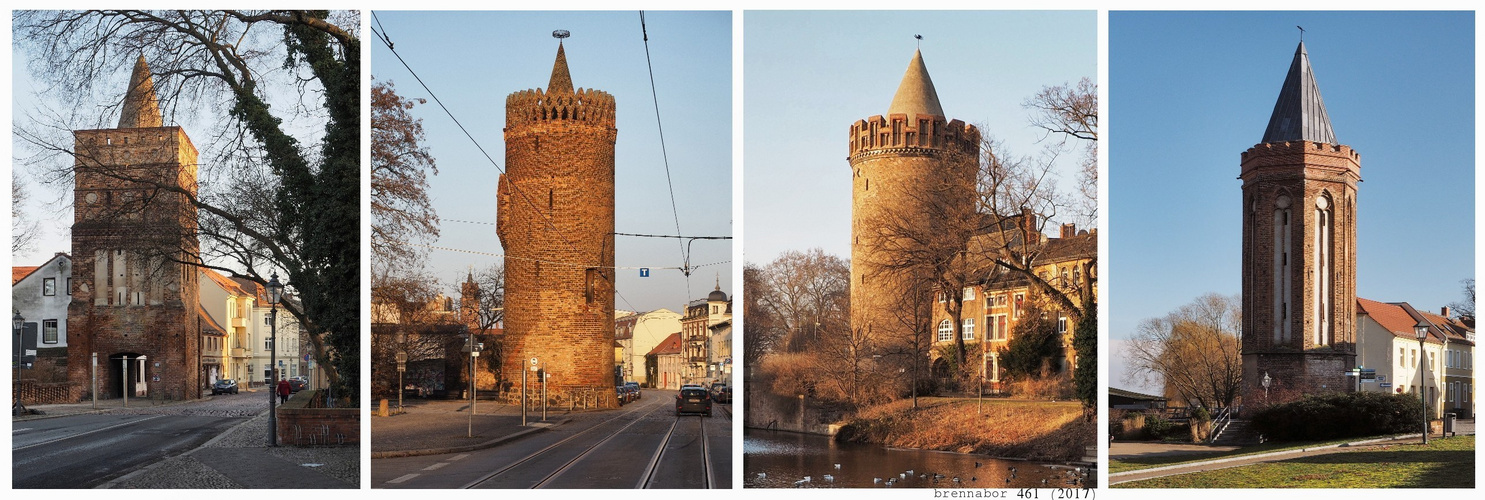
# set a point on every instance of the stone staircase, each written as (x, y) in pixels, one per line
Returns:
(1234, 433)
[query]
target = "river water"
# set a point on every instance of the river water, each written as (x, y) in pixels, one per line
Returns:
(778, 459)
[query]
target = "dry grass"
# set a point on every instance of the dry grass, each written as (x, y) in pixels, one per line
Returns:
(1035, 430)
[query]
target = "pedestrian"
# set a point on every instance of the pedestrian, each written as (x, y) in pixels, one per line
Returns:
(283, 391)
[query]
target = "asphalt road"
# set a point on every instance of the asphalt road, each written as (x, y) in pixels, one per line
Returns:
(643, 444)
(83, 451)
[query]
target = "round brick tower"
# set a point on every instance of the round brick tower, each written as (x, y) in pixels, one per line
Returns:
(900, 163)
(556, 224)
(1299, 247)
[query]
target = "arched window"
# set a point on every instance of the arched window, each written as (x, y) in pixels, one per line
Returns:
(1323, 265)
(1281, 269)
(945, 331)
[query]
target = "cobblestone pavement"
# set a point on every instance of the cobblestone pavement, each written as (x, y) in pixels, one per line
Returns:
(427, 424)
(239, 459)
(244, 404)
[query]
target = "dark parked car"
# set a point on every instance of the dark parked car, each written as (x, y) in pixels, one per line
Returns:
(722, 395)
(693, 400)
(633, 388)
(224, 386)
(621, 395)
(296, 384)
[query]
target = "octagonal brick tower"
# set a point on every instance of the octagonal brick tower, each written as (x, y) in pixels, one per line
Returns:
(556, 223)
(1299, 247)
(898, 162)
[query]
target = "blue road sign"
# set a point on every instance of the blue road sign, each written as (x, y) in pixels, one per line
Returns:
(644, 272)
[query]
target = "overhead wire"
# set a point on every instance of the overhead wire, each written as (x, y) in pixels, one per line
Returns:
(664, 155)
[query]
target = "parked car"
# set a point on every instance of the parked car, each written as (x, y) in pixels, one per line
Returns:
(296, 384)
(224, 386)
(722, 395)
(634, 389)
(621, 395)
(693, 399)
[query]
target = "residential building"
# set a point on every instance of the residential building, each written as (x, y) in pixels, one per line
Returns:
(667, 363)
(41, 294)
(720, 349)
(1389, 345)
(696, 332)
(638, 334)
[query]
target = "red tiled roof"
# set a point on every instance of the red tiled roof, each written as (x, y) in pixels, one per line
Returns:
(671, 345)
(18, 273)
(1393, 317)
(226, 283)
(1456, 329)
(214, 328)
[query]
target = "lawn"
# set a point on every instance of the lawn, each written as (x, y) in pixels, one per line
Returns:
(1444, 463)
(1116, 466)
(1035, 430)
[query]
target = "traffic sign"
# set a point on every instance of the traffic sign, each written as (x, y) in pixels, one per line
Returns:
(644, 272)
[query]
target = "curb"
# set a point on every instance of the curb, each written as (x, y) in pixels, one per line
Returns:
(99, 411)
(461, 449)
(1187, 465)
(118, 480)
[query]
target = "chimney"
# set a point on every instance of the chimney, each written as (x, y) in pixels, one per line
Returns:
(1444, 312)
(1069, 230)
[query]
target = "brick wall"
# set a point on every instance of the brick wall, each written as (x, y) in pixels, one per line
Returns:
(1298, 177)
(556, 222)
(302, 426)
(35, 393)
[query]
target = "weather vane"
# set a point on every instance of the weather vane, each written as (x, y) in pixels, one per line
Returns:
(1301, 32)
(920, 40)
(560, 34)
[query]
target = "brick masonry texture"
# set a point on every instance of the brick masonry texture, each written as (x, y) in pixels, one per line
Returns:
(128, 297)
(1305, 172)
(556, 223)
(895, 161)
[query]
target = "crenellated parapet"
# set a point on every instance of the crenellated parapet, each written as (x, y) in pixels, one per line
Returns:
(588, 106)
(1316, 156)
(880, 134)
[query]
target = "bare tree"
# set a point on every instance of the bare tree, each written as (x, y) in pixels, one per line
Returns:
(400, 209)
(490, 313)
(1070, 113)
(1194, 350)
(802, 291)
(277, 80)
(761, 333)
(23, 230)
(1465, 308)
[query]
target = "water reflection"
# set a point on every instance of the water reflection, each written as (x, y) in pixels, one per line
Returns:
(776, 459)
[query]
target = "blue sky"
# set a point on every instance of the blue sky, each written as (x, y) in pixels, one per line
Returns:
(1189, 92)
(809, 75)
(473, 60)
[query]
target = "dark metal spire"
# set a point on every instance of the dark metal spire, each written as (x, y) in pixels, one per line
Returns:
(1299, 114)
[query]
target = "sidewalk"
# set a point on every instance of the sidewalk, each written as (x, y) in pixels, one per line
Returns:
(1237, 461)
(430, 427)
(238, 459)
(103, 406)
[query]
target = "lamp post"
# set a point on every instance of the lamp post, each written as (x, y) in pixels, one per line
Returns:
(275, 293)
(16, 323)
(1421, 331)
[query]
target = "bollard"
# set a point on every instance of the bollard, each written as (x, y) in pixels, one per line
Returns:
(383, 410)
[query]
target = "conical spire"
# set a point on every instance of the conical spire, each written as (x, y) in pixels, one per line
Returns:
(915, 95)
(561, 80)
(1299, 114)
(141, 109)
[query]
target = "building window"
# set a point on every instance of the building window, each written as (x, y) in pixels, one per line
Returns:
(69, 286)
(268, 344)
(49, 331)
(1402, 358)
(969, 328)
(945, 331)
(1061, 324)
(969, 293)
(1020, 298)
(49, 286)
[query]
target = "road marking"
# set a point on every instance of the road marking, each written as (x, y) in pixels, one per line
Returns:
(142, 420)
(13, 431)
(436, 466)
(459, 457)
(403, 478)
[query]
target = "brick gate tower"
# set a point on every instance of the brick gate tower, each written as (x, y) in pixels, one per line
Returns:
(556, 223)
(134, 289)
(1299, 246)
(901, 163)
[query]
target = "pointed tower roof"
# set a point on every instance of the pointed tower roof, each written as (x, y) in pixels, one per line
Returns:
(916, 95)
(1299, 115)
(561, 79)
(141, 109)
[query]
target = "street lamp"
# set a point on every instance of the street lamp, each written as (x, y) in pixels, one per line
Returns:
(1421, 331)
(1266, 381)
(275, 293)
(16, 323)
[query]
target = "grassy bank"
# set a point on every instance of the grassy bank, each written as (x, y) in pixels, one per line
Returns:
(1444, 463)
(1034, 430)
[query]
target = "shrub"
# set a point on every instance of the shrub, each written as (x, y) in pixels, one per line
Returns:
(1158, 427)
(1339, 415)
